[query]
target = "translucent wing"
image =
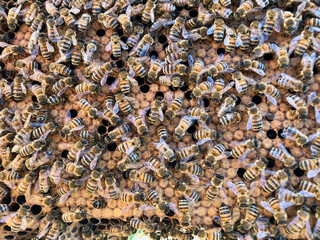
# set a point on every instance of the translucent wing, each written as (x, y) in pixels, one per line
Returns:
(311, 97)
(258, 71)
(238, 40)
(229, 86)
(233, 188)
(317, 114)
(193, 178)
(104, 79)
(291, 102)
(50, 47)
(238, 86)
(294, 43)
(306, 194)
(313, 173)
(94, 162)
(316, 227)
(245, 155)
(24, 223)
(64, 197)
(108, 47)
(8, 217)
(249, 123)
(271, 99)
(284, 204)
(267, 206)
(309, 232)
(211, 29)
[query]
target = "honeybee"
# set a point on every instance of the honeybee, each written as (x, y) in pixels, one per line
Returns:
(68, 17)
(172, 47)
(101, 73)
(83, 23)
(185, 154)
(63, 84)
(45, 48)
(230, 118)
(12, 20)
(141, 178)
(199, 113)
(302, 42)
(253, 65)
(215, 154)
(271, 22)
(37, 91)
(294, 134)
(88, 56)
(206, 133)
(132, 199)
(255, 170)
(75, 151)
(32, 147)
(75, 169)
(255, 33)
(111, 115)
(316, 230)
(129, 162)
(75, 125)
(90, 110)
(40, 131)
(289, 198)
(184, 124)
(123, 102)
(291, 83)
(161, 21)
(129, 145)
(91, 157)
(19, 218)
(86, 87)
(94, 182)
(278, 211)
(307, 63)
(67, 188)
(155, 165)
(231, 41)
(124, 81)
(173, 108)
(55, 171)
(219, 9)
(188, 192)
(76, 216)
(242, 82)
(165, 150)
(124, 20)
(242, 192)
(117, 132)
(264, 48)
(227, 219)
(175, 67)
(147, 227)
(26, 65)
(218, 30)
(244, 148)
(301, 107)
(148, 12)
(162, 132)
(277, 180)
(32, 12)
(245, 8)
(24, 187)
(284, 156)
(255, 117)
(108, 21)
(156, 110)
(136, 67)
(155, 67)
(216, 188)
(299, 222)
(196, 69)
(115, 45)
(177, 27)
(19, 89)
(219, 88)
(11, 50)
(244, 34)
(56, 227)
(228, 105)
(45, 223)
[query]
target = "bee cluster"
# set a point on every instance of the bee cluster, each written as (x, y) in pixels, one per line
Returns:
(179, 118)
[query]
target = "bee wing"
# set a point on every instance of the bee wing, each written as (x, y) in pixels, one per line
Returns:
(104, 79)
(17, 11)
(124, 45)
(62, 91)
(133, 100)
(291, 102)
(74, 39)
(233, 188)
(226, 40)
(317, 114)
(250, 80)
(245, 155)
(190, 60)
(304, 193)
(157, 24)
(3, 13)
(316, 44)
(36, 188)
(94, 162)
(10, 185)
(313, 173)
(229, 86)
(8, 217)
(160, 115)
(64, 197)
(193, 178)
(130, 150)
(152, 14)
(300, 8)
(146, 207)
(128, 12)
(262, 3)
(316, 227)
(249, 123)
(283, 148)
(294, 43)
(308, 227)
(238, 40)
(149, 166)
(311, 97)
(238, 86)
(108, 47)
(267, 206)
(44, 231)
(211, 29)
(49, 47)
(127, 208)
(206, 69)
(271, 99)
(258, 71)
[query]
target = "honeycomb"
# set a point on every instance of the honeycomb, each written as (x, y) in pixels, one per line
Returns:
(204, 213)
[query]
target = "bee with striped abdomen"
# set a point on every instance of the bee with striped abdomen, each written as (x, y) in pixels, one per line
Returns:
(277, 209)
(227, 219)
(301, 43)
(253, 65)
(186, 153)
(57, 68)
(101, 74)
(230, 118)
(228, 105)
(254, 171)
(290, 198)
(165, 150)
(271, 22)
(134, 37)
(274, 182)
(26, 64)
(63, 84)
(130, 161)
(291, 83)
(203, 88)
(307, 63)
(12, 20)
(136, 67)
(184, 124)
(129, 145)
(140, 177)
(173, 106)
(88, 55)
(244, 34)
(111, 191)
(215, 154)
(196, 69)
(175, 46)
(242, 82)
(255, 33)
(124, 81)
(157, 166)
(74, 125)
(76, 216)
(32, 147)
(155, 68)
(294, 134)
(117, 132)
(74, 153)
(299, 222)
(76, 170)
(24, 187)
(11, 50)
(91, 157)
(148, 12)
(310, 165)
(40, 131)
(242, 192)
(94, 182)
(108, 21)
(67, 188)
(173, 57)
(89, 109)
(38, 92)
(115, 45)
(309, 189)
(33, 10)
(18, 218)
(192, 170)
(199, 113)
(242, 149)
(231, 41)
(188, 192)
(251, 215)
(19, 89)
(218, 30)
(215, 188)
(284, 156)
(139, 123)
(219, 9)
(123, 102)
(245, 8)
(255, 118)
(68, 17)
(55, 171)
(205, 133)
(156, 110)
(83, 23)
(176, 29)
(124, 20)
(52, 31)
